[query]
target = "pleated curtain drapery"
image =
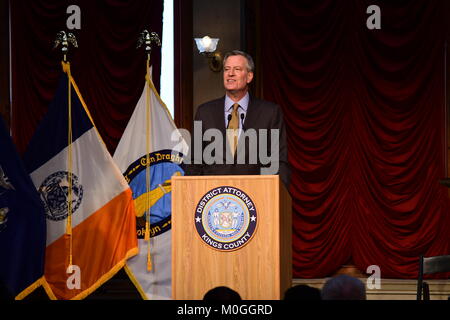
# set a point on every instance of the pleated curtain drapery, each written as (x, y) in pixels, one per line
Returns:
(366, 125)
(108, 68)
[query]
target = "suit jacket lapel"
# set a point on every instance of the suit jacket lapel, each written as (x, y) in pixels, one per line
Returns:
(218, 120)
(220, 115)
(251, 118)
(250, 122)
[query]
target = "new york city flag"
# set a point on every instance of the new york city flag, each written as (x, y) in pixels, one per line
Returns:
(91, 227)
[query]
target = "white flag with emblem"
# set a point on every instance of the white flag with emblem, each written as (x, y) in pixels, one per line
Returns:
(151, 137)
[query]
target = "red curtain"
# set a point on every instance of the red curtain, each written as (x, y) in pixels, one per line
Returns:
(365, 111)
(108, 68)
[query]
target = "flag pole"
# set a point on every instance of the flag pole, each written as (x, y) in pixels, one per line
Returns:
(147, 38)
(64, 39)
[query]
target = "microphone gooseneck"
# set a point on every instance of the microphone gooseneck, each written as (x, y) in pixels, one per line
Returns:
(229, 119)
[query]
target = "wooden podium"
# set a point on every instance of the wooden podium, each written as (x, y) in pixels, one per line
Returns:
(259, 269)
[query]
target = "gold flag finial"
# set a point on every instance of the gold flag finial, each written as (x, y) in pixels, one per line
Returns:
(63, 39)
(146, 38)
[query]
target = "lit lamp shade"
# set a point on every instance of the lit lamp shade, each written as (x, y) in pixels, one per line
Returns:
(206, 44)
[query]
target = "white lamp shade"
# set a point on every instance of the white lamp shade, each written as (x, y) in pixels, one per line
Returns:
(206, 44)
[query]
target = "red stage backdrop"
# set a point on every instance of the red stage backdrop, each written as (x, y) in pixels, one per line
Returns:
(107, 67)
(365, 111)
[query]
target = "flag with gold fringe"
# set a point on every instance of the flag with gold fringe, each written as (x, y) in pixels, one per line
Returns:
(22, 224)
(91, 226)
(149, 154)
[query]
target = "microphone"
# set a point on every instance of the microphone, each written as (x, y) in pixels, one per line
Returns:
(242, 121)
(229, 119)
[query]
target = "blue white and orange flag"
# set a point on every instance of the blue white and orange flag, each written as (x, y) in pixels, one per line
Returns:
(91, 227)
(149, 154)
(22, 224)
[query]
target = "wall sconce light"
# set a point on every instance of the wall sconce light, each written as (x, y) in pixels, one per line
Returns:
(207, 47)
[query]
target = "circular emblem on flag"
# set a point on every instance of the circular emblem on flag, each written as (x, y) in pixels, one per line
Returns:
(226, 218)
(54, 193)
(155, 203)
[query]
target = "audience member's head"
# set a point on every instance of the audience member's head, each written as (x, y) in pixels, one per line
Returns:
(302, 292)
(344, 287)
(218, 294)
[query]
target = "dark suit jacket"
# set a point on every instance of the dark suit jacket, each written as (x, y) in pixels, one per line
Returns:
(260, 115)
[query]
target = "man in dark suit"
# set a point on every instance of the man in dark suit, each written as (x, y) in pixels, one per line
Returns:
(249, 136)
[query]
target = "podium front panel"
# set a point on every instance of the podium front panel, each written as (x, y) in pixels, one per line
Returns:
(259, 268)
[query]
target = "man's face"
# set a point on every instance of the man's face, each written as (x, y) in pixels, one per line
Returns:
(235, 74)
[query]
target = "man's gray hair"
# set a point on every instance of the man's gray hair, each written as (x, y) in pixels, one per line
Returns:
(250, 63)
(344, 287)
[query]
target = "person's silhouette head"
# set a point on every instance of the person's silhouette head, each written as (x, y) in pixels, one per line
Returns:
(344, 287)
(222, 293)
(302, 292)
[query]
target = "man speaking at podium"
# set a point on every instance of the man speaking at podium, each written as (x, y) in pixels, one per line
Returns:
(239, 134)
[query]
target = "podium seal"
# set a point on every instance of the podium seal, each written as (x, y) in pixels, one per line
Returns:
(226, 218)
